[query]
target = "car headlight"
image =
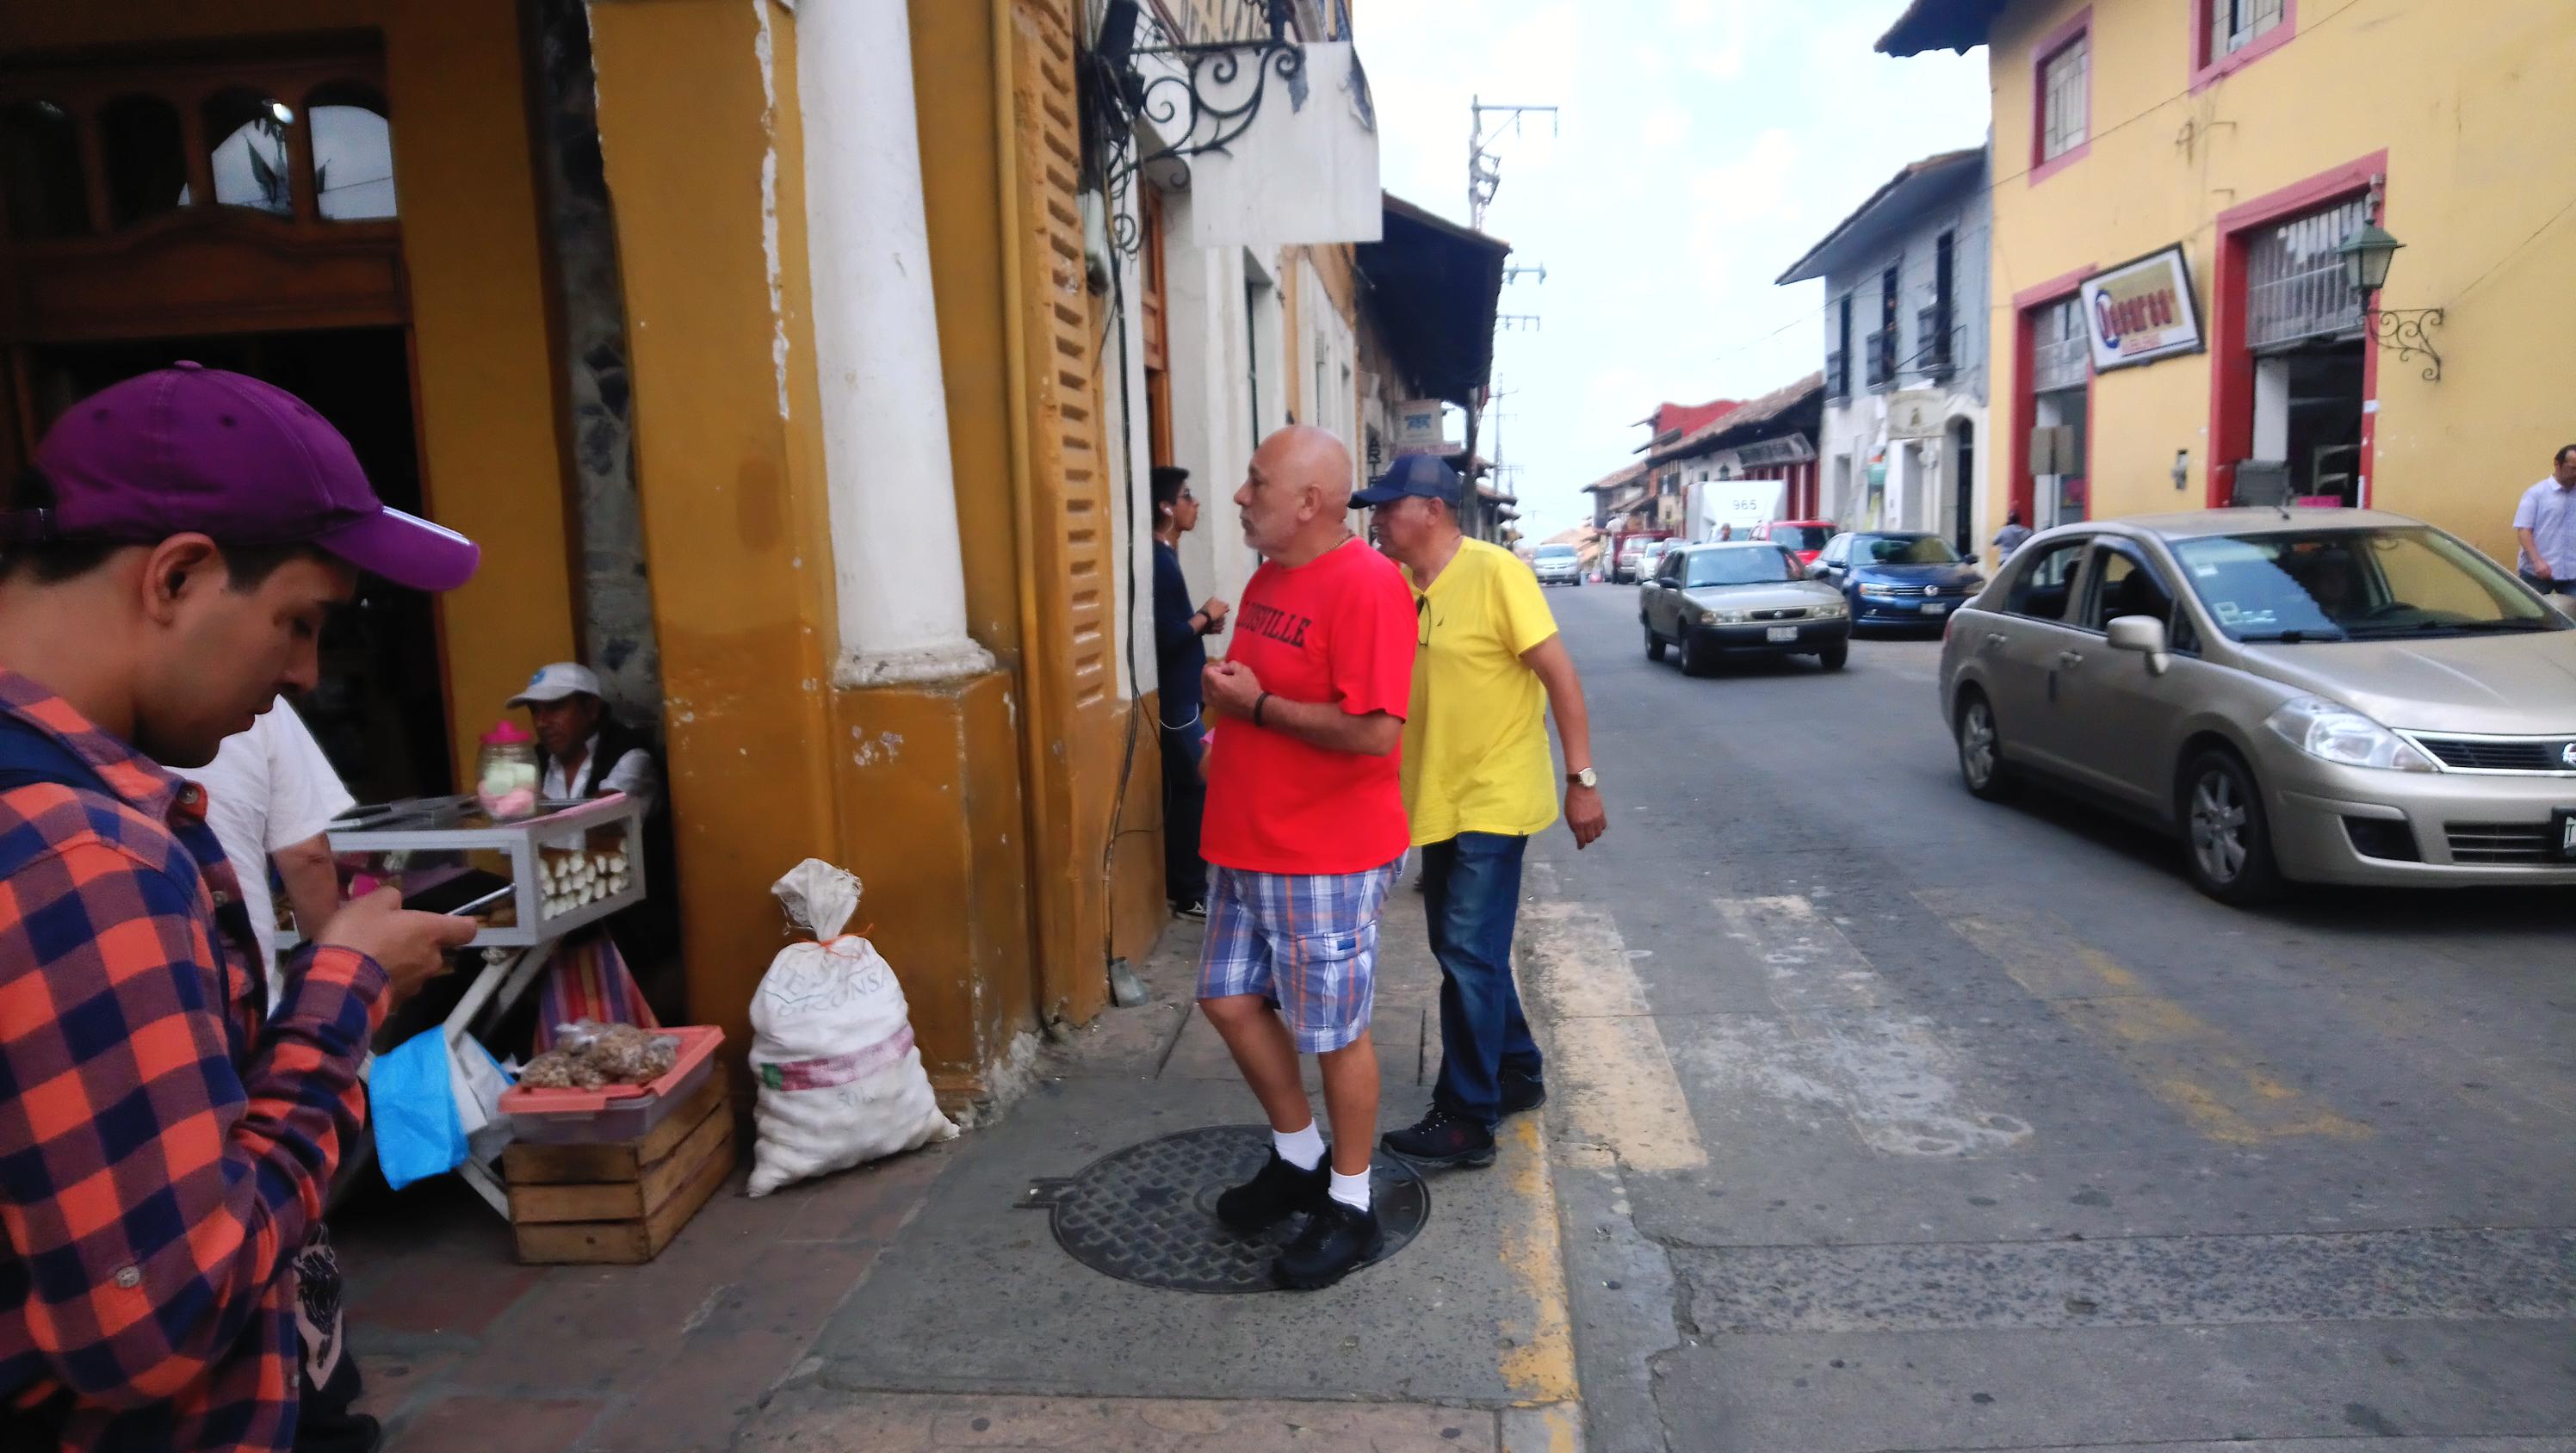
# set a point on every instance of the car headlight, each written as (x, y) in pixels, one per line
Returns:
(1829, 609)
(1880, 590)
(2332, 732)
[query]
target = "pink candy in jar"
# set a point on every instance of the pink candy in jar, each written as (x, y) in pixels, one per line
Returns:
(505, 773)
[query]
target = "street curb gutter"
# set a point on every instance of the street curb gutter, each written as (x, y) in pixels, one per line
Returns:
(1546, 1415)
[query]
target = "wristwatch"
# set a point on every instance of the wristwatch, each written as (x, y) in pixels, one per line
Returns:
(1585, 778)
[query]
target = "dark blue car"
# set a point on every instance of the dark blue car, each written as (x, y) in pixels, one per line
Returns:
(1898, 577)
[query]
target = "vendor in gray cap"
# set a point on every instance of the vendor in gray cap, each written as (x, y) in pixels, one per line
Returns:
(584, 749)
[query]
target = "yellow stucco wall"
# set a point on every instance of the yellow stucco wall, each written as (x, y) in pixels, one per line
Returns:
(2476, 119)
(488, 395)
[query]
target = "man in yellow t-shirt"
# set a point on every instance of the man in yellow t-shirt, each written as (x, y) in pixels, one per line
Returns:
(1488, 667)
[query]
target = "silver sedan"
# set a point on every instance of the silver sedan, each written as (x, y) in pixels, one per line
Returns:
(1747, 595)
(2300, 695)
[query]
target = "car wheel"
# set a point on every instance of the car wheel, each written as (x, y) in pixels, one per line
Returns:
(2227, 840)
(1981, 749)
(1654, 643)
(1695, 658)
(1832, 657)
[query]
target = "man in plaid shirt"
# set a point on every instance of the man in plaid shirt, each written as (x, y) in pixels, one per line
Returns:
(165, 1142)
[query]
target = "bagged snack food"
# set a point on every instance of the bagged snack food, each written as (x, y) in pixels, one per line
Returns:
(587, 1055)
(841, 1082)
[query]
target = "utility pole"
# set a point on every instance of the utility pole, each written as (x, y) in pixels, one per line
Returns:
(1484, 169)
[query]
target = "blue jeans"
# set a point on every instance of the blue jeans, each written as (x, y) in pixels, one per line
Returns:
(2556, 585)
(1471, 887)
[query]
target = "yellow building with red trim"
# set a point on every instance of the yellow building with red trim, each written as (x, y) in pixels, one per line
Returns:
(2214, 153)
(770, 352)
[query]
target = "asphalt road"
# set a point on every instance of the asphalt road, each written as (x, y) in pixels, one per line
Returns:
(1889, 1119)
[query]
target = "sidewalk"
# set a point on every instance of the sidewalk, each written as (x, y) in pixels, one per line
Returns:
(917, 1304)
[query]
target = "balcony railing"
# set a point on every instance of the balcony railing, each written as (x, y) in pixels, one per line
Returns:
(1838, 374)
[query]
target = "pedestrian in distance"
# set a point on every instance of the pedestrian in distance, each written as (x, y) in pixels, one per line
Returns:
(2544, 524)
(1725, 533)
(1305, 833)
(165, 569)
(2010, 537)
(1489, 667)
(1180, 655)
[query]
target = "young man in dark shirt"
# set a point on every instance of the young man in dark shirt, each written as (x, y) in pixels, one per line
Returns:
(1180, 654)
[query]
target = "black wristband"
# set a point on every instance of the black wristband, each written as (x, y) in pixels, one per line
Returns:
(1258, 703)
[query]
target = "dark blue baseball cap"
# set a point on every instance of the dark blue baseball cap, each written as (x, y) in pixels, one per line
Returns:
(1415, 476)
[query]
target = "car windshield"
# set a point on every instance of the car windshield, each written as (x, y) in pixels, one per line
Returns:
(1556, 552)
(1753, 565)
(2353, 585)
(1802, 537)
(1903, 550)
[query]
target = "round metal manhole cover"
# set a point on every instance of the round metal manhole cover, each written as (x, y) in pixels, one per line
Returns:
(1147, 1214)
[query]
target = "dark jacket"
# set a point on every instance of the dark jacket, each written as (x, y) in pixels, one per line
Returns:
(1180, 653)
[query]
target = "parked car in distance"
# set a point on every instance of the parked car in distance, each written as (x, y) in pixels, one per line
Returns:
(2301, 696)
(1623, 561)
(1741, 595)
(1557, 565)
(1804, 538)
(1651, 558)
(1897, 577)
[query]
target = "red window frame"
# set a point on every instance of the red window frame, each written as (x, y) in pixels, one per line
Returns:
(2025, 397)
(2078, 26)
(2231, 365)
(2208, 70)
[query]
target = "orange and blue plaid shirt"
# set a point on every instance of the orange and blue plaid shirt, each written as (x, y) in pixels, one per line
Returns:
(164, 1151)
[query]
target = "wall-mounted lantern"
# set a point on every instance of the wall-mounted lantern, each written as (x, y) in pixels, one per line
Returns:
(2366, 253)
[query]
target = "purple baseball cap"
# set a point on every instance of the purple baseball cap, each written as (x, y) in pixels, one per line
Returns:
(190, 448)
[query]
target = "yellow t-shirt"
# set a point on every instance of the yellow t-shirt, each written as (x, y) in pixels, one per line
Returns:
(1475, 745)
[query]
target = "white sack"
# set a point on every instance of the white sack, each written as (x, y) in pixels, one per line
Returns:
(841, 1082)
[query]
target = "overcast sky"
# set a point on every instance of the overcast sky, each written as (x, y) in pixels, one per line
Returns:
(1703, 146)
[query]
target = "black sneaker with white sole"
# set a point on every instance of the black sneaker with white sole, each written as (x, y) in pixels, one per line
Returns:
(1442, 1137)
(1338, 1239)
(1195, 910)
(1276, 1191)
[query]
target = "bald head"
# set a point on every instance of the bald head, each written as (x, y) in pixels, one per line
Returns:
(1296, 497)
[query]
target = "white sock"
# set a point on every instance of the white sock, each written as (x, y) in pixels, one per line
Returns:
(1303, 1149)
(1351, 1191)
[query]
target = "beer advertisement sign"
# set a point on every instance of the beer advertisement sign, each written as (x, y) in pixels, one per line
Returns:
(2142, 311)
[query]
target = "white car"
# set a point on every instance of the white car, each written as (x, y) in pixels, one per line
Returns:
(1557, 565)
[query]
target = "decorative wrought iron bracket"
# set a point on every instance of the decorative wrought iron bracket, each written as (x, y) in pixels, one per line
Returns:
(1197, 96)
(2407, 330)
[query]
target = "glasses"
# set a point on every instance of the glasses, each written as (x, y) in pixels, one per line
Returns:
(1422, 621)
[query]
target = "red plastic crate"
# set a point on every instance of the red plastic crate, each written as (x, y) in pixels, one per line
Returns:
(615, 1112)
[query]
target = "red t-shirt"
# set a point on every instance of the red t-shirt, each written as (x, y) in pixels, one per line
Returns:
(1338, 628)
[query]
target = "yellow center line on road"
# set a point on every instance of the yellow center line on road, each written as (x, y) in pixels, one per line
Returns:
(2216, 1082)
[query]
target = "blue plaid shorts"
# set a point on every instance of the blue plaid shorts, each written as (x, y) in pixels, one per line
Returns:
(1306, 942)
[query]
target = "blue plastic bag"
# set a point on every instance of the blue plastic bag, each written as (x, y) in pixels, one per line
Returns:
(413, 1105)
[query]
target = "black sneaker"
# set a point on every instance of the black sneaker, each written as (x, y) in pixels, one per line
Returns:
(1522, 1092)
(1277, 1190)
(1195, 910)
(1442, 1137)
(1338, 1240)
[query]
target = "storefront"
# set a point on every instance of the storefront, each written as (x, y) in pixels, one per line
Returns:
(2296, 380)
(2053, 407)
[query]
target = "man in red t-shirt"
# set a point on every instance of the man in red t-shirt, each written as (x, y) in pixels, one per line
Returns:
(1305, 828)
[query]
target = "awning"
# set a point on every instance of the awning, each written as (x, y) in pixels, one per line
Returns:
(1959, 25)
(1433, 287)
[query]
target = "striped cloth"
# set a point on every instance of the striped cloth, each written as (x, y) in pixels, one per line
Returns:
(1307, 942)
(588, 980)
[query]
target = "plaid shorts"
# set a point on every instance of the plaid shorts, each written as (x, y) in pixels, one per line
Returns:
(1308, 943)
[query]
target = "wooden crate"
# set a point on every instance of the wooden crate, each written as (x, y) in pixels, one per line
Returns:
(621, 1202)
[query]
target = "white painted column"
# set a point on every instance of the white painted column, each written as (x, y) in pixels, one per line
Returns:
(899, 575)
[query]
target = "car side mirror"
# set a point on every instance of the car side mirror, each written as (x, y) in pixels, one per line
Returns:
(1818, 570)
(2145, 635)
(1970, 557)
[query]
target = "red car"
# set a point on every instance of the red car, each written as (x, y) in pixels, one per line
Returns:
(1806, 537)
